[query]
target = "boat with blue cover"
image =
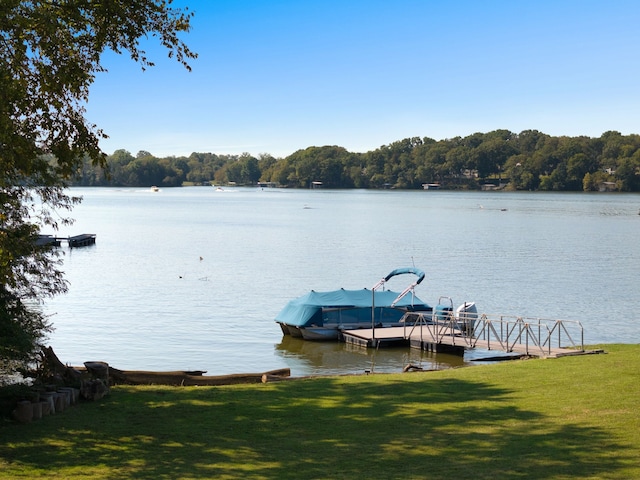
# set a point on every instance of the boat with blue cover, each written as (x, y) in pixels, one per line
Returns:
(323, 315)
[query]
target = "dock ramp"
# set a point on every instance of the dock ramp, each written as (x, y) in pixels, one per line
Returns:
(512, 334)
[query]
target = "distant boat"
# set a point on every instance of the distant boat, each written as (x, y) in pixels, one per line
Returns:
(155, 189)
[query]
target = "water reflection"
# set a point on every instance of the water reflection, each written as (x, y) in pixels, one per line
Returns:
(331, 358)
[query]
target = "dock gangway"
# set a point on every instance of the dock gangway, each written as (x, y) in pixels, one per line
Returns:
(512, 334)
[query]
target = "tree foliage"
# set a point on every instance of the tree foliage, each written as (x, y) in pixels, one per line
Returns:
(50, 52)
(530, 160)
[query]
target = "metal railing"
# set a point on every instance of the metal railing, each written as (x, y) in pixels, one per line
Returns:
(532, 336)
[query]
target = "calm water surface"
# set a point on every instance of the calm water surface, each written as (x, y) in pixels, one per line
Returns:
(192, 278)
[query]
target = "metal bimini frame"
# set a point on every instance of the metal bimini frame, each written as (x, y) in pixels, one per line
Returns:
(398, 271)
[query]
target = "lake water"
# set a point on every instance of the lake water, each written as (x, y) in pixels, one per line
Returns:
(192, 278)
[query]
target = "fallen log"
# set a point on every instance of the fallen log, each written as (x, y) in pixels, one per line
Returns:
(270, 377)
(184, 378)
(52, 365)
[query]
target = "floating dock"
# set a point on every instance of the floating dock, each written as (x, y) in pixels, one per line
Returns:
(401, 336)
(526, 336)
(83, 240)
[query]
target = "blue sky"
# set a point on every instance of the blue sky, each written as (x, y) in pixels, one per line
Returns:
(276, 76)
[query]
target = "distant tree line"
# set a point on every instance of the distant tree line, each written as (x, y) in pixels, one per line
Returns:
(530, 160)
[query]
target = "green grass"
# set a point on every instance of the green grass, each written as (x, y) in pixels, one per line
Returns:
(567, 418)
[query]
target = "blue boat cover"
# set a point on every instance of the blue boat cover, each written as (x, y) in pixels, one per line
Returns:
(308, 309)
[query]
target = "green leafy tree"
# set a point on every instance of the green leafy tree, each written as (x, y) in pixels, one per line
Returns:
(117, 165)
(578, 166)
(556, 180)
(233, 172)
(515, 172)
(250, 169)
(529, 141)
(457, 160)
(628, 173)
(492, 154)
(435, 161)
(50, 52)
(318, 164)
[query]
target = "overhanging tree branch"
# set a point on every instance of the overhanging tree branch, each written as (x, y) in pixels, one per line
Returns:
(50, 52)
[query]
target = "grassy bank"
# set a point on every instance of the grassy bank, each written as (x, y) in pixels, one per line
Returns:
(574, 417)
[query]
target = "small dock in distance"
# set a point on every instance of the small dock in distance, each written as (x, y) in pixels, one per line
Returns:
(526, 336)
(82, 240)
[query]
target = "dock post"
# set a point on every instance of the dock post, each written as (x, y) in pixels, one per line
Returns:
(373, 315)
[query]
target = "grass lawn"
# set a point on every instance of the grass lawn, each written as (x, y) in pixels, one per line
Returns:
(566, 418)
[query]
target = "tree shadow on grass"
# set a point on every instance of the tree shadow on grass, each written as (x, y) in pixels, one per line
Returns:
(322, 428)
